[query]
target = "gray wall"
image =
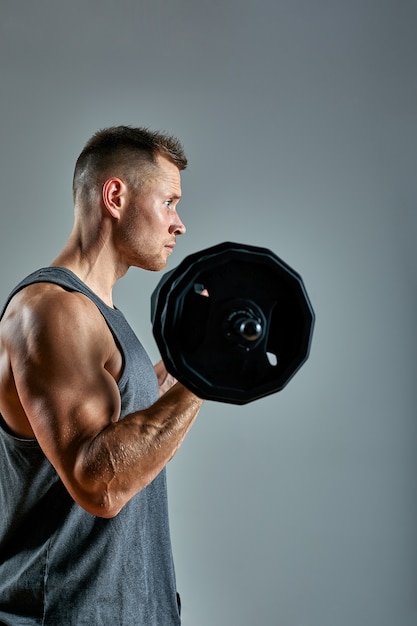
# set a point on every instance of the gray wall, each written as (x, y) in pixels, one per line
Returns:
(299, 119)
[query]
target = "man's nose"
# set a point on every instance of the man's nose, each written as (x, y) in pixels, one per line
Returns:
(177, 228)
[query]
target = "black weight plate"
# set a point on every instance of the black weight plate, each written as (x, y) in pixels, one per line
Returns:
(189, 327)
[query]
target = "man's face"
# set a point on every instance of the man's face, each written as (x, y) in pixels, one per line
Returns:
(151, 223)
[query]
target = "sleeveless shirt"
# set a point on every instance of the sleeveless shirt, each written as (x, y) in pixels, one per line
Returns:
(61, 566)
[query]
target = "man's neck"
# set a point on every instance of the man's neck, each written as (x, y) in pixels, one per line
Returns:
(94, 268)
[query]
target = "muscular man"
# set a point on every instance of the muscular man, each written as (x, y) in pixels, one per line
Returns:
(85, 429)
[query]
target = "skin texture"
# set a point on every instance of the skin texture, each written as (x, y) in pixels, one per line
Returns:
(59, 364)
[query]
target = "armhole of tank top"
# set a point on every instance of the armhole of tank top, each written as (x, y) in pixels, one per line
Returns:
(7, 433)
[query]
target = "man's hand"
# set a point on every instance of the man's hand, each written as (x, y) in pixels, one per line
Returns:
(165, 380)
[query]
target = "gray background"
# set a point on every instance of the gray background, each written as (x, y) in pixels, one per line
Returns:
(299, 119)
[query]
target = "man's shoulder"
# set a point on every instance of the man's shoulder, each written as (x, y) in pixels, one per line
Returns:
(48, 303)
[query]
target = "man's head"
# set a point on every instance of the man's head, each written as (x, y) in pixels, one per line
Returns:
(124, 151)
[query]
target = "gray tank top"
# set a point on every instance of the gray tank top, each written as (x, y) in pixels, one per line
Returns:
(61, 566)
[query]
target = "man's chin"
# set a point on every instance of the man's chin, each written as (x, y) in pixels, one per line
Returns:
(156, 266)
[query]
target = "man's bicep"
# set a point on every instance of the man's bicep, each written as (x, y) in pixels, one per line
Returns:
(63, 385)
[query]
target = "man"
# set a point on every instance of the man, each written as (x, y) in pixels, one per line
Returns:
(87, 424)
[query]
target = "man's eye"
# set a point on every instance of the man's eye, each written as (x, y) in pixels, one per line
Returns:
(168, 203)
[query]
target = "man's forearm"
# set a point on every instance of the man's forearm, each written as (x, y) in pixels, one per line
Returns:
(127, 455)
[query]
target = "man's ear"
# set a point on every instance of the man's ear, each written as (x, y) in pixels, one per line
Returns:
(113, 194)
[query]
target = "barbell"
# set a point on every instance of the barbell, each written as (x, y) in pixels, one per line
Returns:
(233, 322)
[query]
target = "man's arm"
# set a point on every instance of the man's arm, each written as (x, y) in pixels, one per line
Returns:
(63, 358)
